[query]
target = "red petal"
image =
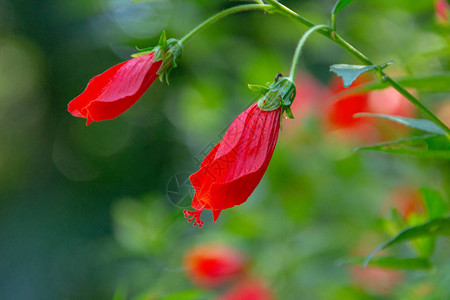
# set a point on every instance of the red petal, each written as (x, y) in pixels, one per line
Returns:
(111, 93)
(240, 160)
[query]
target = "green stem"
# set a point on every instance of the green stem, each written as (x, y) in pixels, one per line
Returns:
(329, 33)
(298, 50)
(223, 14)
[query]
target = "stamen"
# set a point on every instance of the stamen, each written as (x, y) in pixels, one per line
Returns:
(194, 215)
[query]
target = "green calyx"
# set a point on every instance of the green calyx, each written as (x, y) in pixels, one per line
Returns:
(169, 51)
(279, 93)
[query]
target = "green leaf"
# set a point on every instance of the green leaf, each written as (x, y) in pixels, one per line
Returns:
(340, 5)
(425, 125)
(427, 83)
(435, 227)
(391, 262)
(434, 202)
(432, 82)
(350, 72)
(426, 146)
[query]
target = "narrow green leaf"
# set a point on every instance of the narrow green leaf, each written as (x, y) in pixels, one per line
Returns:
(435, 227)
(340, 5)
(426, 146)
(391, 262)
(435, 203)
(427, 83)
(350, 72)
(422, 124)
(432, 82)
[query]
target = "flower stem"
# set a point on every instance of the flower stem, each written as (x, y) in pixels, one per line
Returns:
(223, 14)
(332, 35)
(300, 44)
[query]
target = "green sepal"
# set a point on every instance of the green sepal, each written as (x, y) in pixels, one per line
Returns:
(260, 89)
(170, 59)
(280, 93)
(169, 51)
(286, 110)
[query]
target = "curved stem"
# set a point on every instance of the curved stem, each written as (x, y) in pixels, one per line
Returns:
(221, 15)
(329, 33)
(300, 44)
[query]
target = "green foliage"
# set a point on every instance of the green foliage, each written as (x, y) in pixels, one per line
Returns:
(425, 146)
(340, 5)
(435, 227)
(435, 203)
(424, 125)
(349, 73)
(392, 262)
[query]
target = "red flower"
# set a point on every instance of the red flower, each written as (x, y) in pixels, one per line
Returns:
(341, 111)
(234, 167)
(213, 265)
(114, 91)
(339, 115)
(408, 201)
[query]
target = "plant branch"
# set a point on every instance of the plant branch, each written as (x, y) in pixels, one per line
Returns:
(223, 14)
(332, 35)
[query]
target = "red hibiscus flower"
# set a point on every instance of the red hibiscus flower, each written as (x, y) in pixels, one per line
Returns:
(114, 91)
(234, 167)
(212, 265)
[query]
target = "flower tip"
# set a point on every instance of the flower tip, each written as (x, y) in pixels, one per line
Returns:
(216, 213)
(89, 120)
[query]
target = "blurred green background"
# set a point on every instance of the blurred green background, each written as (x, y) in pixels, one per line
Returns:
(85, 210)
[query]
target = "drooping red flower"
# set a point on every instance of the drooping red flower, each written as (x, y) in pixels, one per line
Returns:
(231, 171)
(114, 91)
(212, 265)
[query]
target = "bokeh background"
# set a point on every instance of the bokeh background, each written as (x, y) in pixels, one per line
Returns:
(86, 212)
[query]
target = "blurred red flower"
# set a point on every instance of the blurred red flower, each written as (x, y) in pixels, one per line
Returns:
(374, 279)
(114, 91)
(340, 112)
(234, 167)
(249, 289)
(380, 281)
(308, 100)
(442, 9)
(339, 115)
(443, 111)
(407, 201)
(212, 265)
